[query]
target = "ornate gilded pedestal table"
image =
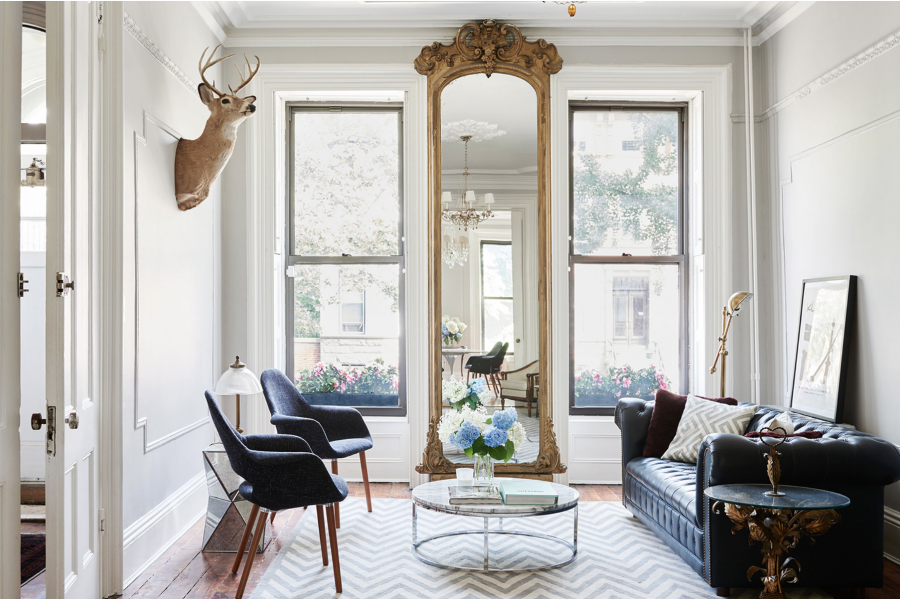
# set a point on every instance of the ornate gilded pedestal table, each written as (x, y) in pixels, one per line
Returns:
(778, 523)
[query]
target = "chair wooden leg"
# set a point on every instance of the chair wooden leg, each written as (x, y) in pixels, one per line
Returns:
(272, 518)
(502, 403)
(320, 515)
(337, 514)
(365, 474)
(240, 553)
(331, 511)
(248, 566)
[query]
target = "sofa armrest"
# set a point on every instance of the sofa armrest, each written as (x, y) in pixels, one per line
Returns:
(633, 419)
(823, 463)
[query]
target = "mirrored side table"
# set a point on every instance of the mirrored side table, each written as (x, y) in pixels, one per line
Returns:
(227, 511)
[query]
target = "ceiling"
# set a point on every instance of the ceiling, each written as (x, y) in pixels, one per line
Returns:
(397, 22)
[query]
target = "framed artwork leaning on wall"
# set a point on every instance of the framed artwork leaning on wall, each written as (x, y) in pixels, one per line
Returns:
(820, 368)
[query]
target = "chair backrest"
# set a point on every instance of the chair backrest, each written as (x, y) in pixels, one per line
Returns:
(497, 360)
(282, 396)
(231, 439)
(497, 347)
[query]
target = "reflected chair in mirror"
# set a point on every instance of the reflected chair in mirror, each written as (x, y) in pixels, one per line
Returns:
(280, 472)
(493, 352)
(520, 385)
(332, 432)
(488, 365)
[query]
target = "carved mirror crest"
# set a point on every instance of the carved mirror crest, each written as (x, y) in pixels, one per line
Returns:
(489, 236)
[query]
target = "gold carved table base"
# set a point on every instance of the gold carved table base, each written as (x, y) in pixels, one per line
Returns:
(778, 531)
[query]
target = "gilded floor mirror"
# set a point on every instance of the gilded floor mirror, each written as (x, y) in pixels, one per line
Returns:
(489, 239)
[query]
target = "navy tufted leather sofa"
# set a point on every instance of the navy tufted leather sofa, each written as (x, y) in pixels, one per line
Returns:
(668, 497)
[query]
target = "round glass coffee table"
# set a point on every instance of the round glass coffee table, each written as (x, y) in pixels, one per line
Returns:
(435, 496)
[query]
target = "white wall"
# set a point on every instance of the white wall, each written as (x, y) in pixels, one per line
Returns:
(172, 284)
(833, 130)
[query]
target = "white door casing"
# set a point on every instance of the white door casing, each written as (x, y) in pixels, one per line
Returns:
(73, 565)
(10, 138)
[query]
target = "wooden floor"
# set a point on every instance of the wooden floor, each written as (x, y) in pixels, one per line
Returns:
(185, 572)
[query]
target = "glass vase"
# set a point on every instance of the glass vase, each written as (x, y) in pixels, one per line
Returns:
(484, 469)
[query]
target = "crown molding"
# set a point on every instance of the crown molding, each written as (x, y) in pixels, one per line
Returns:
(137, 33)
(771, 25)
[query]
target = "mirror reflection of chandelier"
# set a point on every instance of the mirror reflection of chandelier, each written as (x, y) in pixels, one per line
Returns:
(454, 252)
(466, 214)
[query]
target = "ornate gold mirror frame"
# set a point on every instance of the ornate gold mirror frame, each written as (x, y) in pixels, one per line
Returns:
(487, 49)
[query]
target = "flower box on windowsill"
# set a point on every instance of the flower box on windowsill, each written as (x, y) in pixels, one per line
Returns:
(338, 399)
(583, 400)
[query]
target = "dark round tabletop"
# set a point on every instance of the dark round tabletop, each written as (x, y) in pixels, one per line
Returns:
(795, 498)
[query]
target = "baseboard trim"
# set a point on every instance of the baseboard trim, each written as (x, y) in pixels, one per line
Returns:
(892, 534)
(147, 538)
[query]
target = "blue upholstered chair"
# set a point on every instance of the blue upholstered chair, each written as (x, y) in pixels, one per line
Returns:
(280, 472)
(332, 432)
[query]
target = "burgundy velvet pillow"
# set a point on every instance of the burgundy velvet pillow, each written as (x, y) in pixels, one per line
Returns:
(664, 421)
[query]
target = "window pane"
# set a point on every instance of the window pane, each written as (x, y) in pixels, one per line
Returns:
(346, 183)
(498, 323)
(626, 331)
(496, 270)
(347, 353)
(625, 182)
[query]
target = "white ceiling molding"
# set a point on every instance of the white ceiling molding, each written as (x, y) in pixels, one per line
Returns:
(478, 131)
(777, 24)
(136, 32)
(864, 57)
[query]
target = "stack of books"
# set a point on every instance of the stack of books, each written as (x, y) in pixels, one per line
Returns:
(475, 494)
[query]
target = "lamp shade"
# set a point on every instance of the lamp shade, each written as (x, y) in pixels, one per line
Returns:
(488, 198)
(238, 379)
(736, 299)
(446, 198)
(470, 197)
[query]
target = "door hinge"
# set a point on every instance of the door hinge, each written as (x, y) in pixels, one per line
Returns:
(22, 282)
(101, 517)
(63, 285)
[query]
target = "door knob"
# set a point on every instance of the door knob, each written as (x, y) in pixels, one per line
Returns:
(72, 420)
(37, 421)
(518, 341)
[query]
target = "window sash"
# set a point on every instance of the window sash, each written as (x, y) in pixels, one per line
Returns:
(292, 259)
(679, 258)
(484, 243)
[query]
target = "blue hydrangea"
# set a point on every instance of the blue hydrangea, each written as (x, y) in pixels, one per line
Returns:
(494, 436)
(504, 419)
(467, 433)
(477, 385)
(458, 336)
(444, 330)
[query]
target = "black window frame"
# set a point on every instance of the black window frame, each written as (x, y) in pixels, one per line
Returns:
(293, 259)
(680, 258)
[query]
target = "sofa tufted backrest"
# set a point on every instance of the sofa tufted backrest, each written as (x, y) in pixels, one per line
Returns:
(803, 423)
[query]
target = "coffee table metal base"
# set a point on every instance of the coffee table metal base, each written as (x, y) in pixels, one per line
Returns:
(487, 532)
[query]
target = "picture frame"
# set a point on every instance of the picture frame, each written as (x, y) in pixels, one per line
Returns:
(827, 307)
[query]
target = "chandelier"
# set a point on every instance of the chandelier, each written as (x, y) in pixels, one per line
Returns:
(466, 214)
(454, 252)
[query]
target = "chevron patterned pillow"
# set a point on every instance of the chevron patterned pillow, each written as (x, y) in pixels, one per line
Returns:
(700, 419)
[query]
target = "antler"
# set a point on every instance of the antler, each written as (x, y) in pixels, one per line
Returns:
(241, 73)
(210, 62)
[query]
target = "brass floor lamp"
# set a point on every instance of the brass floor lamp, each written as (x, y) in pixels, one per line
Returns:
(729, 311)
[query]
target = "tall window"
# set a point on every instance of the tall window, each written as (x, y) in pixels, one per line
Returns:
(628, 305)
(345, 256)
(497, 294)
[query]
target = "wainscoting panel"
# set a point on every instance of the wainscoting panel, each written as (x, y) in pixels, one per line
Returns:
(595, 450)
(388, 460)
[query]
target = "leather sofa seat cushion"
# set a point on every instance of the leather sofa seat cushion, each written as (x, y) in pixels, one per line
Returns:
(665, 419)
(674, 482)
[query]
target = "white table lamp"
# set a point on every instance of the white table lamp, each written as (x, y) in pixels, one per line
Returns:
(237, 380)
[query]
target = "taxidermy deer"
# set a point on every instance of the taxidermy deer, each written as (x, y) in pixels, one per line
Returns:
(199, 162)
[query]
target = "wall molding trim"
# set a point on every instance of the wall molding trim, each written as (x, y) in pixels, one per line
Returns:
(848, 66)
(140, 422)
(173, 507)
(138, 34)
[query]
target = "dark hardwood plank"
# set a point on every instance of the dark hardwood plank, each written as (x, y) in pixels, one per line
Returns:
(379, 490)
(400, 491)
(285, 525)
(183, 553)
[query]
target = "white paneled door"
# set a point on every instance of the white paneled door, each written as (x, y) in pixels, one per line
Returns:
(74, 516)
(10, 137)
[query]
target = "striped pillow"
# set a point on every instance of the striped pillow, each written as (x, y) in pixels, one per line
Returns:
(702, 418)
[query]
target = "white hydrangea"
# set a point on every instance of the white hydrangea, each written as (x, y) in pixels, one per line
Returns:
(444, 319)
(452, 327)
(517, 434)
(485, 395)
(453, 389)
(453, 419)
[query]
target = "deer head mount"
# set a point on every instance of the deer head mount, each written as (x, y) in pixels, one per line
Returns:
(199, 162)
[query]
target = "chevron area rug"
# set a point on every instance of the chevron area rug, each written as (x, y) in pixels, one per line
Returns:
(618, 557)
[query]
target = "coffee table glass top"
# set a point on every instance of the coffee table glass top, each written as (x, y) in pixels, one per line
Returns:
(795, 498)
(436, 495)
